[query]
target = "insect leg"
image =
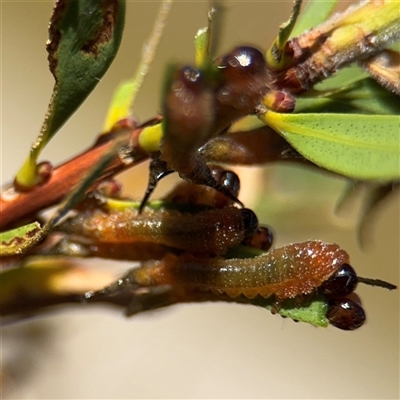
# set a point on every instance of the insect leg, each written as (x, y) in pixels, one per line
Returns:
(200, 174)
(158, 170)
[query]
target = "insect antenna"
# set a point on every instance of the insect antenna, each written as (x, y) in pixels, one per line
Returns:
(377, 282)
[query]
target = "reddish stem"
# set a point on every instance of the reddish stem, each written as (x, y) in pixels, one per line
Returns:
(17, 205)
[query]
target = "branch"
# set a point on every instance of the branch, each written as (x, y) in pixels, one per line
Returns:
(17, 205)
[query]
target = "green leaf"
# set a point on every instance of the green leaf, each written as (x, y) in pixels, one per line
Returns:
(79, 192)
(76, 195)
(364, 96)
(312, 312)
(84, 39)
(122, 103)
(16, 241)
(344, 77)
(205, 40)
(365, 147)
(202, 41)
(315, 13)
(276, 57)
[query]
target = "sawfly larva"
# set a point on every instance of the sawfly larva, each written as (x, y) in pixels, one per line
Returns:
(290, 271)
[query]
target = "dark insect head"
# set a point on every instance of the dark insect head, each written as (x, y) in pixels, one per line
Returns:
(191, 77)
(250, 222)
(243, 62)
(227, 179)
(262, 239)
(345, 314)
(341, 283)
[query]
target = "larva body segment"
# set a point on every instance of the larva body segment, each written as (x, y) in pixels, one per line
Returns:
(209, 232)
(82, 247)
(287, 272)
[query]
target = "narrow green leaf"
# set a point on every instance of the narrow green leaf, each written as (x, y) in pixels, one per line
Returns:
(365, 147)
(84, 39)
(78, 192)
(205, 41)
(286, 29)
(17, 240)
(315, 12)
(122, 103)
(276, 57)
(364, 96)
(202, 46)
(344, 77)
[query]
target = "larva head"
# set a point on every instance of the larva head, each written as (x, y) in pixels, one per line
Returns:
(241, 64)
(227, 179)
(190, 193)
(345, 314)
(342, 282)
(243, 82)
(262, 239)
(250, 222)
(191, 77)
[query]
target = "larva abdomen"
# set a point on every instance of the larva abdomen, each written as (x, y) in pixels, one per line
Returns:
(286, 272)
(209, 232)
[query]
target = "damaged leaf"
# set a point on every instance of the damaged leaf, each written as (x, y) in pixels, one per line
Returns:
(84, 37)
(16, 241)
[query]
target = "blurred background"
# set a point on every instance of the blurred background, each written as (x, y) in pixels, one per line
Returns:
(191, 351)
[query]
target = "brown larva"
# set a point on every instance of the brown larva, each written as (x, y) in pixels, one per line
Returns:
(205, 232)
(290, 271)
